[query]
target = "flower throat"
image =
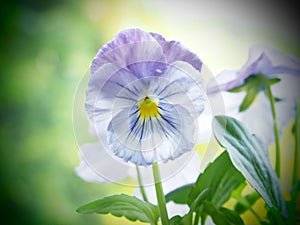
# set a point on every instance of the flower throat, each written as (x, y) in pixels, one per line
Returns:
(148, 108)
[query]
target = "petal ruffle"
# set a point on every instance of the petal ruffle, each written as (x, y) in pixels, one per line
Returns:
(175, 51)
(133, 49)
(261, 59)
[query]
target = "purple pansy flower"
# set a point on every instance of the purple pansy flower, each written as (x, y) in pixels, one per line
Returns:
(272, 64)
(144, 97)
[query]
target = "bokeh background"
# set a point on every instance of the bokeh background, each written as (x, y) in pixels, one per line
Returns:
(46, 47)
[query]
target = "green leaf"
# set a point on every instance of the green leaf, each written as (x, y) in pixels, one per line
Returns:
(277, 99)
(180, 195)
(199, 199)
(216, 182)
(274, 80)
(246, 202)
(292, 204)
(231, 216)
(250, 97)
(175, 220)
(123, 205)
(251, 158)
(238, 89)
(222, 216)
(178, 220)
(252, 86)
(274, 217)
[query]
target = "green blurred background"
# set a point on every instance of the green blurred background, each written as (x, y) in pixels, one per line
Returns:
(47, 47)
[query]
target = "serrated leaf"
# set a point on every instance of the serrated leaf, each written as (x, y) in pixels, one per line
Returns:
(251, 158)
(123, 205)
(219, 178)
(180, 195)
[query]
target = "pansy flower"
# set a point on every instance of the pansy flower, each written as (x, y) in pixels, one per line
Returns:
(144, 98)
(282, 69)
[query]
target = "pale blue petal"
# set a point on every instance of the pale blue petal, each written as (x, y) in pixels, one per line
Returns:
(144, 142)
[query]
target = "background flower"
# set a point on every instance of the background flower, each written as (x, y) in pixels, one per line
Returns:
(258, 117)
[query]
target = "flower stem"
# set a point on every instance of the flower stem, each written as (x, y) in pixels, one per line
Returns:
(275, 125)
(141, 184)
(160, 195)
(196, 221)
(296, 152)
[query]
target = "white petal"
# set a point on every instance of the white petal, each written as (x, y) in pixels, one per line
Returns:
(97, 165)
(160, 139)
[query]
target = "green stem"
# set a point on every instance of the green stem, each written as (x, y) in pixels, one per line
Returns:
(275, 125)
(196, 221)
(296, 152)
(160, 195)
(256, 215)
(141, 184)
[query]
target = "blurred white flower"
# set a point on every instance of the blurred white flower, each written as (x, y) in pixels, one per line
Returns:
(272, 64)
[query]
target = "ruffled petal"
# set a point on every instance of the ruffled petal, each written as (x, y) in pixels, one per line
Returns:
(261, 59)
(229, 79)
(175, 51)
(276, 62)
(96, 165)
(133, 49)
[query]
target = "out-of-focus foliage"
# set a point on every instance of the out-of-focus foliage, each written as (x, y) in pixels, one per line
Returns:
(45, 47)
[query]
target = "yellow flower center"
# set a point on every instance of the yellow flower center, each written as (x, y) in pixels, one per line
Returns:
(148, 108)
